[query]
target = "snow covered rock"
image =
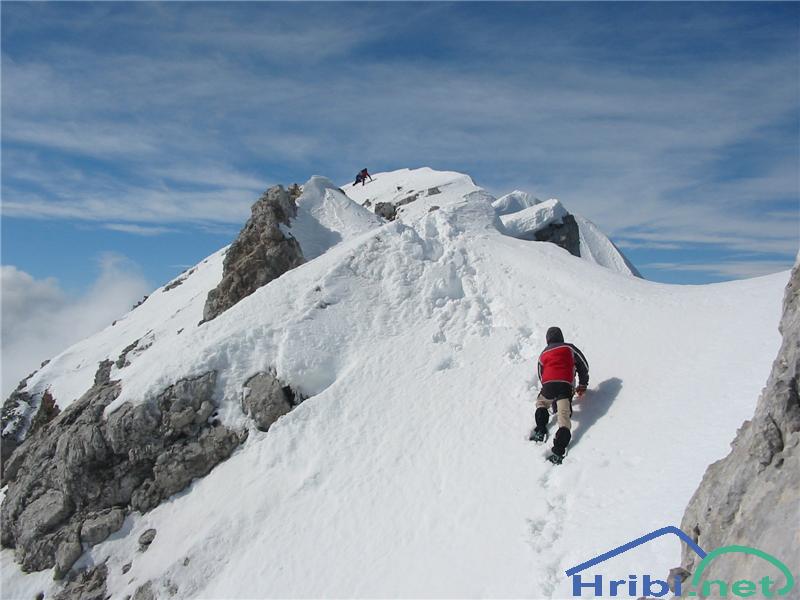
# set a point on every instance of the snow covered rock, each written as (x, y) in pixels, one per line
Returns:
(753, 494)
(261, 252)
(410, 193)
(22, 415)
(545, 222)
(387, 210)
(266, 399)
(514, 202)
(524, 224)
(326, 216)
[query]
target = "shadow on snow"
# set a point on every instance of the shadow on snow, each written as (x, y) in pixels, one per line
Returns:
(593, 406)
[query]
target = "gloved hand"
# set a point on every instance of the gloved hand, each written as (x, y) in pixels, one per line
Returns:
(580, 391)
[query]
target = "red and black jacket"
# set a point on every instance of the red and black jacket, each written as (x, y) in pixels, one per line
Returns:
(558, 364)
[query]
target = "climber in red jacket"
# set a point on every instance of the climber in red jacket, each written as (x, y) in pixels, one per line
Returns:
(558, 364)
(362, 177)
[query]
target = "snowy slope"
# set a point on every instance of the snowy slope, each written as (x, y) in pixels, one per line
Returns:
(596, 246)
(408, 471)
(325, 217)
(161, 320)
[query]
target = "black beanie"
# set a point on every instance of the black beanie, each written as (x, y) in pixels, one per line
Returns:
(554, 335)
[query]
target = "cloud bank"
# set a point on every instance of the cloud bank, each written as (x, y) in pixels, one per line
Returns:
(40, 319)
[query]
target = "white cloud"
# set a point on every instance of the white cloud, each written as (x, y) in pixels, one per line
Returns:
(39, 319)
(138, 229)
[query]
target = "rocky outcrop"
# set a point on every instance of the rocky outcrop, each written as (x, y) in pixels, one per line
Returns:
(72, 482)
(22, 414)
(98, 526)
(564, 234)
(752, 496)
(146, 539)
(87, 585)
(541, 222)
(387, 210)
(266, 399)
(261, 252)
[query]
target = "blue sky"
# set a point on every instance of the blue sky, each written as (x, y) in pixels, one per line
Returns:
(144, 131)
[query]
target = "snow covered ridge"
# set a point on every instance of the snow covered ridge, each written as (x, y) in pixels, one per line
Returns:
(409, 194)
(394, 368)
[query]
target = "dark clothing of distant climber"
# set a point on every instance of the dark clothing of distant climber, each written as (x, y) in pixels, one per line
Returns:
(559, 362)
(362, 177)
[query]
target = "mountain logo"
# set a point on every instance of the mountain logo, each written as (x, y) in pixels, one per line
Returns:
(650, 586)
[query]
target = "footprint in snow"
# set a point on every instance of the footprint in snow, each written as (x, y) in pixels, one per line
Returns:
(445, 364)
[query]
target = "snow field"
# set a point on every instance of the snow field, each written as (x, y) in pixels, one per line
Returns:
(408, 471)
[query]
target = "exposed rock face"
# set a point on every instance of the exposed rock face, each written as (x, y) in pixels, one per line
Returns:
(260, 253)
(564, 234)
(15, 419)
(752, 496)
(23, 414)
(266, 399)
(73, 480)
(98, 526)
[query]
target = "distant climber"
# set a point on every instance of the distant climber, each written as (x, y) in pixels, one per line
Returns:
(558, 364)
(362, 177)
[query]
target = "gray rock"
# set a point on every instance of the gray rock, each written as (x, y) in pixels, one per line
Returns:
(178, 280)
(22, 416)
(88, 585)
(126, 567)
(675, 574)
(261, 252)
(144, 592)
(122, 360)
(407, 200)
(103, 374)
(77, 478)
(564, 234)
(266, 399)
(98, 526)
(146, 539)
(69, 550)
(387, 210)
(752, 496)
